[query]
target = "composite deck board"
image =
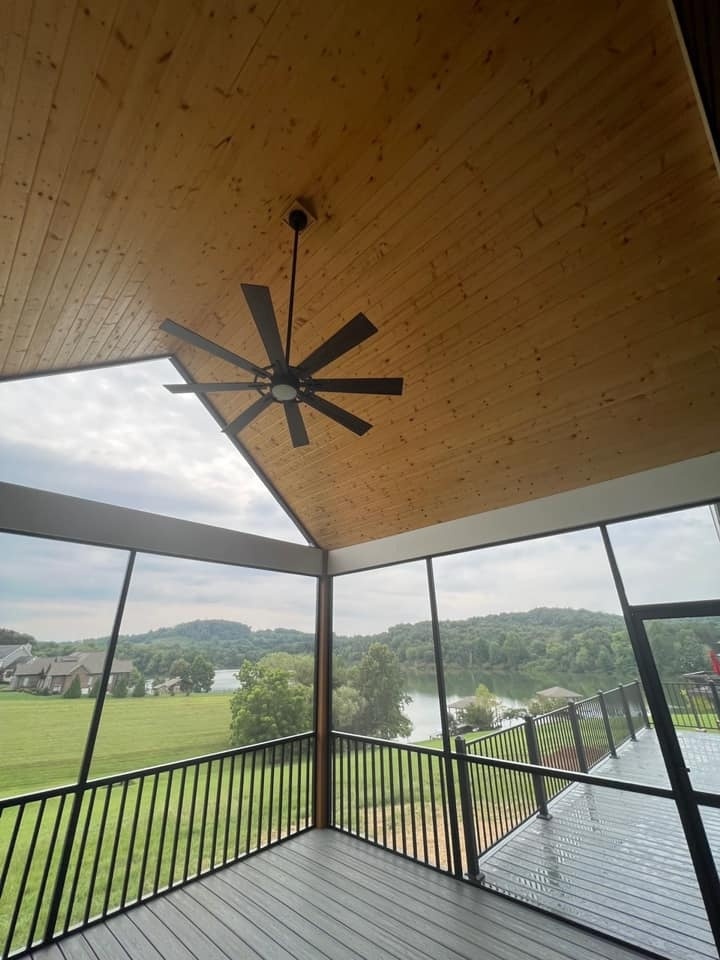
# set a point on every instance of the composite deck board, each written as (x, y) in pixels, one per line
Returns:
(324, 894)
(618, 861)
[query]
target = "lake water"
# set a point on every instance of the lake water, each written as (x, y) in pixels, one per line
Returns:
(424, 711)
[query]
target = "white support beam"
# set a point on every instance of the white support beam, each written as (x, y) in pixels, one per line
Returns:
(689, 482)
(56, 516)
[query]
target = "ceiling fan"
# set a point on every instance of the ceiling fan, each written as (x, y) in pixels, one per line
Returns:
(281, 381)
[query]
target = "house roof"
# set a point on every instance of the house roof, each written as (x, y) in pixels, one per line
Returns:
(32, 668)
(7, 648)
(526, 208)
(462, 703)
(558, 693)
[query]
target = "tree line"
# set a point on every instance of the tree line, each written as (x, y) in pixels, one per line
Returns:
(542, 640)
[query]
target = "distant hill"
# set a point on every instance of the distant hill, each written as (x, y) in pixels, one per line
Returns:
(564, 640)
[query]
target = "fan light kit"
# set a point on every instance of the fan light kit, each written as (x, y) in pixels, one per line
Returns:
(280, 381)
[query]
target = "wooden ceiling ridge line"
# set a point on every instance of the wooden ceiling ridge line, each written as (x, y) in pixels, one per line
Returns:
(250, 460)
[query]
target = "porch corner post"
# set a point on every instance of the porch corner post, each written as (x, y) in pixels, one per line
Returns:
(323, 694)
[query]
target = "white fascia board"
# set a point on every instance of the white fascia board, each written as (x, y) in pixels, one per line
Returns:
(40, 513)
(679, 484)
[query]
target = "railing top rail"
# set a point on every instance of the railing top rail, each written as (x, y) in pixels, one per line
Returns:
(378, 741)
(575, 776)
(149, 771)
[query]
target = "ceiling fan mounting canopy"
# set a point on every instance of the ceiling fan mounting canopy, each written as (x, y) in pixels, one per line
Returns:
(281, 382)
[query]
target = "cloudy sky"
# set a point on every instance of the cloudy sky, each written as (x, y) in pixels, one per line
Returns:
(117, 436)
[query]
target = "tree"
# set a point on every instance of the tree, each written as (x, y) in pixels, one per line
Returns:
(484, 713)
(138, 684)
(181, 668)
(120, 689)
(380, 684)
(268, 705)
(74, 691)
(202, 674)
(348, 706)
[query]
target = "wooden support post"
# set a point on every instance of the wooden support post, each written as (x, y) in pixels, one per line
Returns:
(641, 701)
(323, 704)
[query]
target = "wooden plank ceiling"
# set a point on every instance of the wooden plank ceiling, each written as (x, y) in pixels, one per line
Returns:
(520, 196)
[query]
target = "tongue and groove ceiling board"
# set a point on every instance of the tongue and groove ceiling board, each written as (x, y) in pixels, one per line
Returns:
(520, 196)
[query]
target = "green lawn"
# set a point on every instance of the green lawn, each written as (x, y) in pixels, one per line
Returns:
(43, 737)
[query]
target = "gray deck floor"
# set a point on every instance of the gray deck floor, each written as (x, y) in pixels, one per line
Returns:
(326, 895)
(618, 861)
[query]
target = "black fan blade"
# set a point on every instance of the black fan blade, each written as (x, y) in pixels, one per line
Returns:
(169, 326)
(391, 386)
(349, 336)
(261, 308)
(296, 424)
(210, 387)
(336, 413)
(239, 423)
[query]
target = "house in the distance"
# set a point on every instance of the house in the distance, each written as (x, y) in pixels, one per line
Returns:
(55, 674)
(12, 654)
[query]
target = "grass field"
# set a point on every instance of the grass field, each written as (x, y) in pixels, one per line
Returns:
(43, 737)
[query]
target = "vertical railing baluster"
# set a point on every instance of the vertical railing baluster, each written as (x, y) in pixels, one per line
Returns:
(373, 764)
(240, 805)
(281, 786)
(116, 843)
(365, 788)
(272, 794)
(433, 809)
(216, 821)
(39, 899)
(99, 843)
(310, 754)
(131, 845)
(163, 831)
(29, 857)
(356, 759)
(252, 801)
(79, 863)
(178, 821)
(203, 819)
(391, 777)
(291, 772)
(423, 811)
(229, 806)
(382, 792)
(191, 822)
(411, 788)
(149, 825)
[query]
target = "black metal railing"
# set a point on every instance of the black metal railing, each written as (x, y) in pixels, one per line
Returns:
(397, 796)
(394, 795)
(694, 703)
(140, 833)
(575, 737)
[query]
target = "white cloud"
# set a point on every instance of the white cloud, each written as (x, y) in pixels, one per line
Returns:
(115, 435)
